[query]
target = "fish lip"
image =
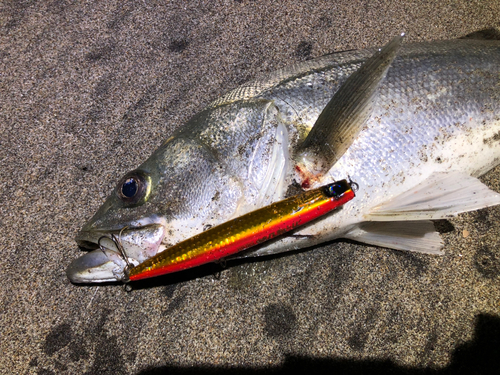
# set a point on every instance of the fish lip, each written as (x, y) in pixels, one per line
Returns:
(92, 267)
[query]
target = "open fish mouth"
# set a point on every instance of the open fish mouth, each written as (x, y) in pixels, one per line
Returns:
(113, 251)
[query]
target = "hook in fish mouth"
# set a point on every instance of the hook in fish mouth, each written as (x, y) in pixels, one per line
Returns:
(114, 252)
(118, 244)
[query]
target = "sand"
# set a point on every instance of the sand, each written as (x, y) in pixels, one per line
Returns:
(89, 89)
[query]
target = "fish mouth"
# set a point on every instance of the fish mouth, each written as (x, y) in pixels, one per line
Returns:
(94, 267)
(112, 251)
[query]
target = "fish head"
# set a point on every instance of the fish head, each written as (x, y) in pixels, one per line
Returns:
(125, 230)
(173, 195)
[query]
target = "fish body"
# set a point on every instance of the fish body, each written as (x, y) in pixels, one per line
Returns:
(432, 129)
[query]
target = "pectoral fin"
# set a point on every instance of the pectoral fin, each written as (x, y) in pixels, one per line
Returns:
(440, 196)
(343, 118)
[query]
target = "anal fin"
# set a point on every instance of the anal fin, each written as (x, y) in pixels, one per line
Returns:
(418, 236)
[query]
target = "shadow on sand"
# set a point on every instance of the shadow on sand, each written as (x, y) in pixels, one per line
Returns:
(479, 356)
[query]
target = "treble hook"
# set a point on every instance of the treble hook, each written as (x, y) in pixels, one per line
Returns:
(223, 262)
(119, 246)
(118, 243)
(101, 247)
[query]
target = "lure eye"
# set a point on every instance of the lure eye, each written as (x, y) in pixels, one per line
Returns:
(133, 187)
(337, 189)
(334, 190)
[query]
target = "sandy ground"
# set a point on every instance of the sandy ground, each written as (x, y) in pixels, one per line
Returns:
(89, 89)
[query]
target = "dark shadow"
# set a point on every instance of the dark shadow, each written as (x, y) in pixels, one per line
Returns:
(479, 356)
(209, 269)
(486, 34)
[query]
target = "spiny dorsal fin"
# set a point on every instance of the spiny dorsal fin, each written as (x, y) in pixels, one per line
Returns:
(344, 116)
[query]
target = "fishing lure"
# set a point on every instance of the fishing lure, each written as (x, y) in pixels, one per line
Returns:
(245, 231)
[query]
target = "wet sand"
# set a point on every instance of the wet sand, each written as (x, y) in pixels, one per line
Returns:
(88, 91)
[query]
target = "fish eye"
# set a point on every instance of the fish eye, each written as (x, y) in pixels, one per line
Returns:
(130, 187)
(133, 187)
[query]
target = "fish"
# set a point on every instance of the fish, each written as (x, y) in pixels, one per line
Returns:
(413, 124)
(245, 231)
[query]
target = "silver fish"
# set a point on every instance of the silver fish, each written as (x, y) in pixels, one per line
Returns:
(415, 144)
